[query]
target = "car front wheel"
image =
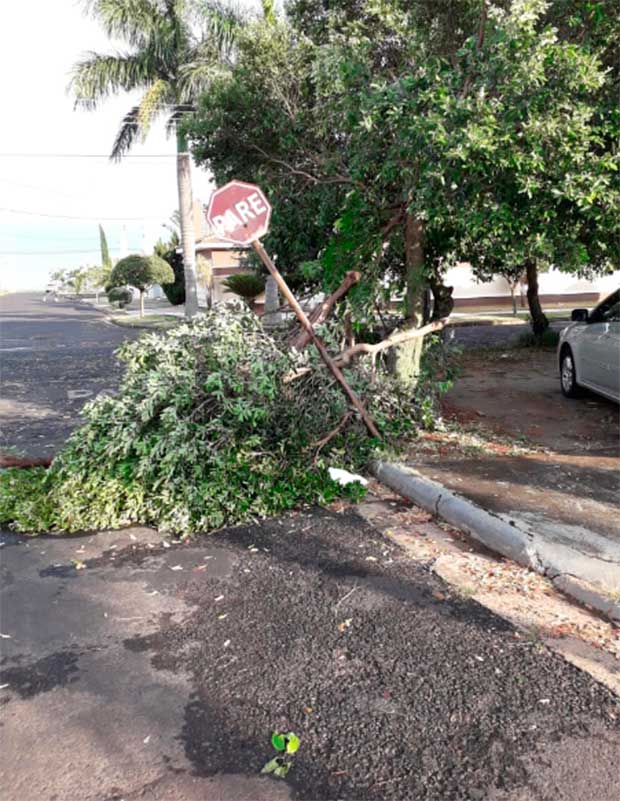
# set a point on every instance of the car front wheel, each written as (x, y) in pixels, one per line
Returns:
(568, 382)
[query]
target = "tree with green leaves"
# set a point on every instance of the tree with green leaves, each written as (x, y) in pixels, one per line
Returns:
(540, 180)
(141, 272)
(391, 144)
(98, 277)
(106, 261)
(173, 52)
(347, 146)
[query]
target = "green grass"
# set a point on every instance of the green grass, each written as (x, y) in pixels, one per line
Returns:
(548, 339)
(504, 318)
(158, 322)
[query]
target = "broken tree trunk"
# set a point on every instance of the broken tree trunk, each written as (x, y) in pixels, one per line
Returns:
(307, 325)
(321, 312)
(407, 359)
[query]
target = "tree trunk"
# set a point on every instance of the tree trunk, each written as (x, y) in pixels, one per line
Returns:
(513, 298)
(184, 181)
(141, 303)
(539, 321)
(209, 291)
(443, 302)
(409, 354)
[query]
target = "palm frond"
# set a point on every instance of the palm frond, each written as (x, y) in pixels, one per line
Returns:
(131, 20)
(126, 135)
(99, 75)
(197, 73)
(220, 24)
(152, 104)
(180, 111)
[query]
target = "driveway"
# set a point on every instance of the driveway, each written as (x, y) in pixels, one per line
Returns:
(132, 670)
(493, 336)
(53, 358)
(542, 459)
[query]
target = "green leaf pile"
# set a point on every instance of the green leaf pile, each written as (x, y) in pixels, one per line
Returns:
(203, 433)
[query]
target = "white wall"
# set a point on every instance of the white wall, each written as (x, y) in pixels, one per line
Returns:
(552, 282)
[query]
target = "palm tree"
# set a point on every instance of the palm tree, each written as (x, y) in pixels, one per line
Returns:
(173, 52)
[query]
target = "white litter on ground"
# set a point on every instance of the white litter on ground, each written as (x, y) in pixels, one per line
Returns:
(343, 477)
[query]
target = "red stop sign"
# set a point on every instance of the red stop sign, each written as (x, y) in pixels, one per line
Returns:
(239, 212)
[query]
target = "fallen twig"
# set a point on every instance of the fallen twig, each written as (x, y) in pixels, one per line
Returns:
(331, 434)
(321, 312)
(344, 598)
(394, 339)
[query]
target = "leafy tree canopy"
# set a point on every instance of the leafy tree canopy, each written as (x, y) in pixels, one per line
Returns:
(142, 272)
(392, 146)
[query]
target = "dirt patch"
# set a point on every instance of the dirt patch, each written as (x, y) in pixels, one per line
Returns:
(514, 445)
(517, 392)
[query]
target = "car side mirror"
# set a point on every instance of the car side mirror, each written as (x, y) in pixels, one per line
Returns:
(579, 316)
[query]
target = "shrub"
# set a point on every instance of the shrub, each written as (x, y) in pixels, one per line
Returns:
(120, 295)
(246, 285)
(175, 291)
(142, 272)
(548, 339)
(204, 432)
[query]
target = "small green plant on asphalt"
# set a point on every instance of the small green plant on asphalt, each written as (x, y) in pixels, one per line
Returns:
(286, 744)
(204, 432)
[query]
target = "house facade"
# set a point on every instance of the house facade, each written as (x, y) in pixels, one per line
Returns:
(556, 289)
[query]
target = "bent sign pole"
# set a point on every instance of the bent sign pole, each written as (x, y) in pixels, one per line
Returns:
(334, 370)
(240, 213)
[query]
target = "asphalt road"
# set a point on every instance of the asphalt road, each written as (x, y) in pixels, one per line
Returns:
(135, 671)
(53, 358)
(493, 336)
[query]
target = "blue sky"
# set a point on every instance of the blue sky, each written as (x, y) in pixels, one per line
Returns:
(51, 204)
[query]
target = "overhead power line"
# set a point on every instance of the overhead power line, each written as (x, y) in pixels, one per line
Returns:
(89, 219)
(86, 156)
(48, 252)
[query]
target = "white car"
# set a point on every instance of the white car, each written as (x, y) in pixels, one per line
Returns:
(589, 350)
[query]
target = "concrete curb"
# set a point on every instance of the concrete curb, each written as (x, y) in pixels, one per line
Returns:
(519, 542)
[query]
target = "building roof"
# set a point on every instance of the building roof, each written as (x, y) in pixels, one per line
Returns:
(213, 242)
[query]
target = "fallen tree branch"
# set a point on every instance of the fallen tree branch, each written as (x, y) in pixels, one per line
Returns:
(343, 359)
(322, 442)
(322, 311)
